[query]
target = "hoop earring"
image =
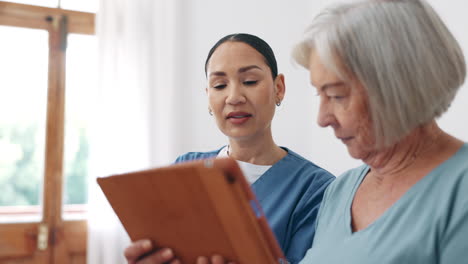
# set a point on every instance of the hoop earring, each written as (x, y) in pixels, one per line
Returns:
(278, 103)
(210, 112)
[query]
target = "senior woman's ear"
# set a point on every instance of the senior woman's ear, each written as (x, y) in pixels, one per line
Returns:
(280, 87)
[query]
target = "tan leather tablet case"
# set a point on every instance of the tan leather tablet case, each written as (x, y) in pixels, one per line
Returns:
(198, 209)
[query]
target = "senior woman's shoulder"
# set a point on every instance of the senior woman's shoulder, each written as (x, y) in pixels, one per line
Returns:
(348, 179)
(454, 172)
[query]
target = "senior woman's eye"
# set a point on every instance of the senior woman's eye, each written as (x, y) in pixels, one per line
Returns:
(337, 97)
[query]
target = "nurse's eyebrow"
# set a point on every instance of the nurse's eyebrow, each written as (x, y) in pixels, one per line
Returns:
(217, 73)
(248, 68)
(241, 70)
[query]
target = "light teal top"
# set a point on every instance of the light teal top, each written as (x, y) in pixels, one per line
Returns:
(428, 224)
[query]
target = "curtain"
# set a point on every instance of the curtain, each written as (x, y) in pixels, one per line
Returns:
(133, 107)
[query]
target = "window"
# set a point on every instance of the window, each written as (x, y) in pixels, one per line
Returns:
(22, 121)
(43, 139)
(77, 115)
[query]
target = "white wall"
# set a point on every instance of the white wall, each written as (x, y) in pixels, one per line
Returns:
(454, 14)
(280, 23)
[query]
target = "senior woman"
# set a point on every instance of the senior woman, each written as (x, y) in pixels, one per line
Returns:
(384, 71)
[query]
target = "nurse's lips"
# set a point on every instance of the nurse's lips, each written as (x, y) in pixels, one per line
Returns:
(238, 117)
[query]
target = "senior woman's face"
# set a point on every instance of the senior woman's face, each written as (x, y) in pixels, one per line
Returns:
(343, 106)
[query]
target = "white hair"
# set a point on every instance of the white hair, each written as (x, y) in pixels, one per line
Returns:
(401, 52)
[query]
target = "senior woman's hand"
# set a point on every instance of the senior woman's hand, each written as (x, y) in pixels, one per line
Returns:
(143, 252)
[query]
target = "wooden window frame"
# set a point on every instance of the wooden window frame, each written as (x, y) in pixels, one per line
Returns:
(65, 238)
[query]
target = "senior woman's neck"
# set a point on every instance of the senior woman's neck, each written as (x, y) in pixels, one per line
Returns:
(416, 151)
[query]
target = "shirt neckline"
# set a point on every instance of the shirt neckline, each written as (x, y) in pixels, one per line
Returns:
(396, 204)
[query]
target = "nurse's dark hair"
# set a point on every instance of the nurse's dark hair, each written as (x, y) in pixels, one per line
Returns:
(255, 42)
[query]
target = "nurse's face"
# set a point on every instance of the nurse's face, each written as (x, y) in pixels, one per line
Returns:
(241, 91)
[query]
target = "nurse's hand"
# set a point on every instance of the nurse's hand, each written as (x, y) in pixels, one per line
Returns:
(144, 252)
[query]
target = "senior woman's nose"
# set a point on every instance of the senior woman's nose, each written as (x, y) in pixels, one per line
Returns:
(325, 116)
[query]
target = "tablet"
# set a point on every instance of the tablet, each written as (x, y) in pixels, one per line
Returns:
(198, 208)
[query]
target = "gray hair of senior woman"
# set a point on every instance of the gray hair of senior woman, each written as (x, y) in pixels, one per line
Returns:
(400, 51)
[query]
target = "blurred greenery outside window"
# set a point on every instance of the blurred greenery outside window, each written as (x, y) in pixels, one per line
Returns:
(23, 106)
(81, 80)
